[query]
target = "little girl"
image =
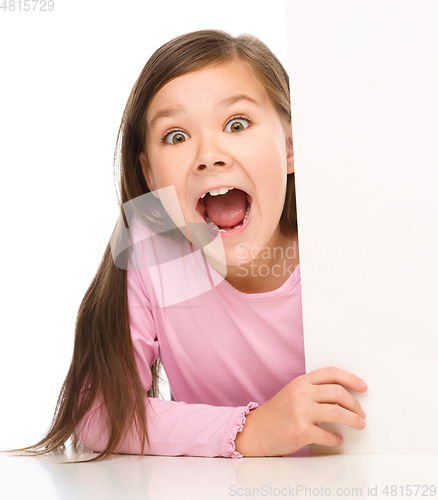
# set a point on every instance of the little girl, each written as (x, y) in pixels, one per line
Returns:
(207, 193)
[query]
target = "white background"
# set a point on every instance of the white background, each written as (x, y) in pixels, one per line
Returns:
(65, 79)
(364, 111)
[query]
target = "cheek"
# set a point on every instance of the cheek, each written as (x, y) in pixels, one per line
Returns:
(268, 161)
(165, 168)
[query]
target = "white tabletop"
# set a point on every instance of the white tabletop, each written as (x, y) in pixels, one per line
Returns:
(130, 477)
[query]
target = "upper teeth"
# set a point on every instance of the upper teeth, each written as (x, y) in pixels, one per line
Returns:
(215, 192)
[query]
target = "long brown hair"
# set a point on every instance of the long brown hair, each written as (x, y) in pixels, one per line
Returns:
(103, 364)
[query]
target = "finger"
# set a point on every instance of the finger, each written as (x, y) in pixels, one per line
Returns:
(333, 375)
(326, 438)
(336, 394)
(335, 413)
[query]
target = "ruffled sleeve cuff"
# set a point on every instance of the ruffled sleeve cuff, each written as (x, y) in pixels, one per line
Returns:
(237, 426)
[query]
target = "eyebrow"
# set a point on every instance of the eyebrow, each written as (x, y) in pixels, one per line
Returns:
(164, 113)
(224, 103)
(229, 101)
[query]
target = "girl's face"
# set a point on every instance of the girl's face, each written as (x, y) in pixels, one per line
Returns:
(217, 127)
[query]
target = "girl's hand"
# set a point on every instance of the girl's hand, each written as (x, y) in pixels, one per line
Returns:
(290, 420)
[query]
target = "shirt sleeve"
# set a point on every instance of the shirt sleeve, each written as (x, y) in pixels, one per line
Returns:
(174, 428)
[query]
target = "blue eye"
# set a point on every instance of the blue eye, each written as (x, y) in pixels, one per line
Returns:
(175, 137)
(237, 124)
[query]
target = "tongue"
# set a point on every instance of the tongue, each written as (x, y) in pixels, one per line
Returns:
(226, 210)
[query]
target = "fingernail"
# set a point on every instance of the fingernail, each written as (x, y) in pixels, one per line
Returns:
(362, 413)
(362, 424)
(341, 440)
(363, 384)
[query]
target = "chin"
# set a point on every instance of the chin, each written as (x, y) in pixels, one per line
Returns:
(240, 255)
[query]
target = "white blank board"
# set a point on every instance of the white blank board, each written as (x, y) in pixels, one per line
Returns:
(364, 83)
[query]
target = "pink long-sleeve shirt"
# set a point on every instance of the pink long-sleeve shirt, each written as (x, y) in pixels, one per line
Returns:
(225, 352)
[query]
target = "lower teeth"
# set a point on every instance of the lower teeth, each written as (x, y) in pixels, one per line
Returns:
(217, 228)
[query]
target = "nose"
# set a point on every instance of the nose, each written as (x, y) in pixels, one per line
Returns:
(219, 163)
(211, 154)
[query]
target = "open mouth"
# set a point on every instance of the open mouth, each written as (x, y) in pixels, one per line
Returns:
(225, 209)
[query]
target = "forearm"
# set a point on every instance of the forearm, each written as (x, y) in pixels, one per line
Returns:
(174, 429)
(247, 440)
